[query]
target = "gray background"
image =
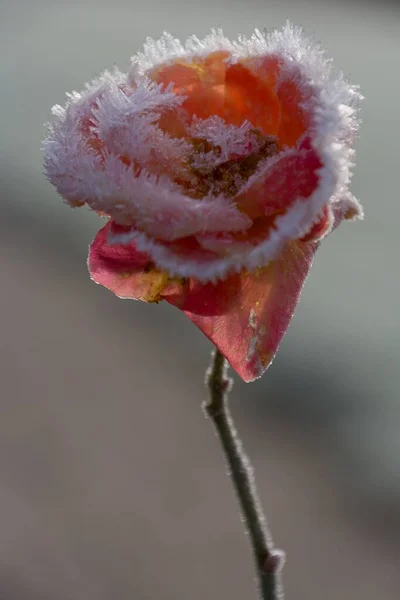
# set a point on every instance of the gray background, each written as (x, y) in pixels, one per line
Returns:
(111, 481)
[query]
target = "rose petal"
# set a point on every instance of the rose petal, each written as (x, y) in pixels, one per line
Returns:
(180, 74)
(123, 270)
(200, 81)
(250, 98)
(205, 299)
(225, 244)
(294, 121)
(232, 92)
(294, 175)
(320, 227)
(249, 333)
(158, 206)
(266, 67)
(131, 274)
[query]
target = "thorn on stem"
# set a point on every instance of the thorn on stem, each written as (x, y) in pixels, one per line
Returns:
(275, 561)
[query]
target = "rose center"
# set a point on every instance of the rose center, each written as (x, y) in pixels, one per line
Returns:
(228, 176)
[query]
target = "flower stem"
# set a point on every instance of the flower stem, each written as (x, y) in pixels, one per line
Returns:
(268, 560)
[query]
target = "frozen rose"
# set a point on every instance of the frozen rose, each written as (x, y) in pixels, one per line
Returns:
(220, 166)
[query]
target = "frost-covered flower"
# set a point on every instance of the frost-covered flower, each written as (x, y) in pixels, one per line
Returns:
(220, 165)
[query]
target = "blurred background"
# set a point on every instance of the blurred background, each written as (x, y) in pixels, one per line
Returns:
(112, 483)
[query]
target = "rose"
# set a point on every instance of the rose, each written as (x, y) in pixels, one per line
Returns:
(221, 165)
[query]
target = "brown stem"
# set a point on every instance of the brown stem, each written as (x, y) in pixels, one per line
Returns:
(268, 560)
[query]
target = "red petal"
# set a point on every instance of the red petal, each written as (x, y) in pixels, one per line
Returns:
(123, 270)
(320, 228)
(293, 176)
(250, 331)
(205, 299)
(241, 241)
(191, 249)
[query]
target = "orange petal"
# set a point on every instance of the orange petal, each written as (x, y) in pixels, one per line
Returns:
(202, 81)
(293, 118)
(232, 92)
(250, 97)
(182, 75)
(294, 121)
(215, 65)
(266, 68)
(204, 101)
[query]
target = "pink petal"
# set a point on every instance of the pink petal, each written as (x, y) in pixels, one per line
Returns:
(132, 274)
(234, 243)
(293, 176)
(123, 270)
(250, 331)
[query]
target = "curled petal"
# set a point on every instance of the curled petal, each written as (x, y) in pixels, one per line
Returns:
(321, 227)
(293, 175)
(155, 204)
(124, 270)
(208, 258)
(244, 315)
(131, 274)
(225, 244)
(346, 206)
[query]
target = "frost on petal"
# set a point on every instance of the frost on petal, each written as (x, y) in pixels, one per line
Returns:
(199, 82)
(321, 227)
(290, 176)
(124, 270)
(129, 273)
(157, 206)
(249, 333)
(227, 141)
(221, 165)
(346, 206)
(154, 203)
(126, 120)
(249, 97)
(209, 258)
